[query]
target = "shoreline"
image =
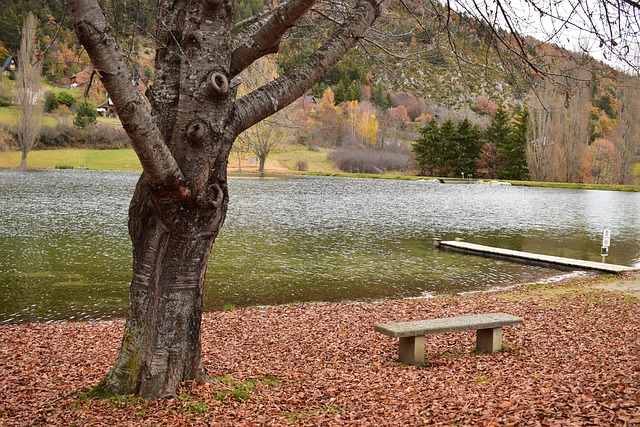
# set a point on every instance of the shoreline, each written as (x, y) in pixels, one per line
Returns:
(124, 159)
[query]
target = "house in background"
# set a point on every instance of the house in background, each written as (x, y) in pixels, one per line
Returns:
(9, 65)
(107, 109)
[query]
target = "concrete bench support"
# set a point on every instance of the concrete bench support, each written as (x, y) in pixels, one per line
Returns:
(412, 334)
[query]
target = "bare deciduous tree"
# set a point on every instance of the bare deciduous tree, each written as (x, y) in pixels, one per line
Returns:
(261, 139)
(29, 120)
(264, 136)
(627, 138)
(183, 143)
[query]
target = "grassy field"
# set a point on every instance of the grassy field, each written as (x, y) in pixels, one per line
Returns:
(8, 117)
(75, 159)
(578, 186)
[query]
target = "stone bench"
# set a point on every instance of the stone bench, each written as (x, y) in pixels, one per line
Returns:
(411, 334)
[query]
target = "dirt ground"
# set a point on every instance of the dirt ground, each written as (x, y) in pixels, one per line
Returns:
(630, 285)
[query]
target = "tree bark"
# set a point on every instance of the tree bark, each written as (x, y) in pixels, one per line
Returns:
(171, 245)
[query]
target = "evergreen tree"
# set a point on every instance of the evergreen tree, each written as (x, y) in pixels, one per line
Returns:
(497, 133)
(381, 96)
(449, 150)
(346, 79)
(515, 156)
(469, 142)
(427, 149)
(86, 114)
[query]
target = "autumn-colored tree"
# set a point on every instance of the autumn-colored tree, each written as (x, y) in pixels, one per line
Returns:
(573, 133)
(541, 148)
(367, 125)
(4, 52)
(604, 160)
(625, 136)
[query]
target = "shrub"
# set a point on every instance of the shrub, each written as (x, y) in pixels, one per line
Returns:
(92, 136)
(66, 98)
(86, 114)
(50, 102)
(62, 136)
(105, 137)
(302, 165)
(354, 160)
(7, 139)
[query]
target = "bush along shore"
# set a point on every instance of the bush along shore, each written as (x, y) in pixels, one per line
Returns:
(575, 361)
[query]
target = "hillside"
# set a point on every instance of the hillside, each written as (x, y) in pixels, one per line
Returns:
(418, 63)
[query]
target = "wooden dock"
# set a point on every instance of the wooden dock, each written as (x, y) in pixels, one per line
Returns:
(491, 251)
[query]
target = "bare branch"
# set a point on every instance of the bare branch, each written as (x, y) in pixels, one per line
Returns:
(268, 37)
(155, 157)
(281, 92)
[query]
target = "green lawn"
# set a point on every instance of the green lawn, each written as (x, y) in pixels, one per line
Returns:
(124, 159)
(8, 117)
(289, 156)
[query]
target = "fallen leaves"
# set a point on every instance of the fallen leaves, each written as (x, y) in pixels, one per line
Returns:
(575, 361)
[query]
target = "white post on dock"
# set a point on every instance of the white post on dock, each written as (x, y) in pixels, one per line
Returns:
(606, 242)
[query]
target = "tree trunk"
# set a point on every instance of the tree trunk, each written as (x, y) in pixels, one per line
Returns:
(262, 160)
(183, 143)
(171, 245)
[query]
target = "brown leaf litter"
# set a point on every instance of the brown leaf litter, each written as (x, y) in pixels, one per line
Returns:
(574, 362)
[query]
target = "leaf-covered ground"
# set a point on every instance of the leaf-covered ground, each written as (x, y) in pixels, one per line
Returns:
(574, 361)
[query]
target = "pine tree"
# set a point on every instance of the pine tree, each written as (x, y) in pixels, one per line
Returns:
(427, 148)
(498, 134)
(515, 155)
(449, 150)
(469, 141)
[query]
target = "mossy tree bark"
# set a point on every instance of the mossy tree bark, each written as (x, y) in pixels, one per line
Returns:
(183, 131)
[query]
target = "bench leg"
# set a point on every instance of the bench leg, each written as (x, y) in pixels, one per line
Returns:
(411, 350)
(489, 340)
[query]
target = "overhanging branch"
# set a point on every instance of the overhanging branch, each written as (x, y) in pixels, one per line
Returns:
(155, 157)
(281, 92)
(267, 39)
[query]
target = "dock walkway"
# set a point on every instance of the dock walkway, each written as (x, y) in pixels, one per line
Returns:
(473, 248)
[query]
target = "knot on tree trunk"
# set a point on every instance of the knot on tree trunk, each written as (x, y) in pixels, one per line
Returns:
(196, 132)
(217, 84)
(213, 197)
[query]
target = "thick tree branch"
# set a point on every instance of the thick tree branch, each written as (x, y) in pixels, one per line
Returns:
(165, 92)
(281, 92)
(268, 37)
(156, 159)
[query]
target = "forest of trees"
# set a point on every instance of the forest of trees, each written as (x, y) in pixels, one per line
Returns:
(466, 150)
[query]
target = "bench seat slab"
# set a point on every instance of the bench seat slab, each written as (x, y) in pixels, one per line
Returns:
(448, 324)
(412, 334)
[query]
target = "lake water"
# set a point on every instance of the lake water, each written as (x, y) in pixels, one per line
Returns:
(65, 252)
